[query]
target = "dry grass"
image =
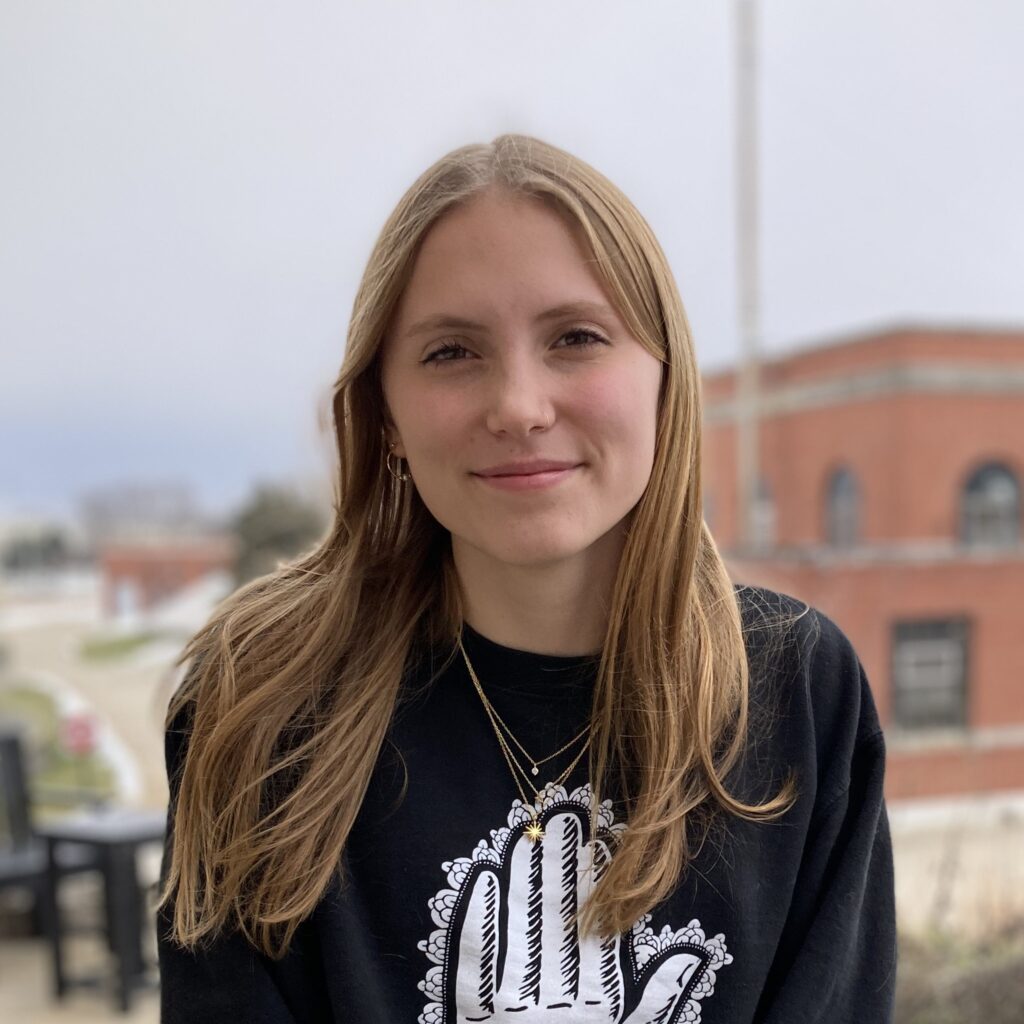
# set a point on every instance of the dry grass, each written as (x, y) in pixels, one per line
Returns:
(947, 981)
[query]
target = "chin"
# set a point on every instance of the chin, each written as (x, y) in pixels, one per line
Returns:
(535, 552)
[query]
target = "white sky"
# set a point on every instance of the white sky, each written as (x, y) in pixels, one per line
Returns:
(188, 191)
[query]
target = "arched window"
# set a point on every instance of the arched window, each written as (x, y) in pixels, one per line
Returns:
(842, 509)
(990, 507)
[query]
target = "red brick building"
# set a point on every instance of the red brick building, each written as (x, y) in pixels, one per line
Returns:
(890, 496)
(138, 574)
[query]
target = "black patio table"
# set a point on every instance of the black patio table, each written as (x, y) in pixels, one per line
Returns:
(115, 836)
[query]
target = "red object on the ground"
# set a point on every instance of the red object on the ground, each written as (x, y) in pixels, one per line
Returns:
(79, 733)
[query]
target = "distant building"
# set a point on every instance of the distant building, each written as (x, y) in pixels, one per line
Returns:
(139, 575)
(151, 542)
(890, 497)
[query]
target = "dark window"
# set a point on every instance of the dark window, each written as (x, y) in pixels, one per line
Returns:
(990, 507)
(842, 509)
(929, 673)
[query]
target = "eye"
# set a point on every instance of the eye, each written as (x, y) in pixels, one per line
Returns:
(448, 352)
(582, 337)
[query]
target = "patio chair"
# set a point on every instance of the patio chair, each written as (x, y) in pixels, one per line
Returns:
(22, 853)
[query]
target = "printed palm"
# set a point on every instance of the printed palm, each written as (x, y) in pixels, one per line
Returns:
(508, 948)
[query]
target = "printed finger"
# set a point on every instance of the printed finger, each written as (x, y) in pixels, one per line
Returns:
(593, 862)
(520, 979)
(601, 981)
(477, 966)
(560, 949)
(664, 988)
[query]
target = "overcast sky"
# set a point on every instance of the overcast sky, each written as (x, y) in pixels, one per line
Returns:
(189, 190)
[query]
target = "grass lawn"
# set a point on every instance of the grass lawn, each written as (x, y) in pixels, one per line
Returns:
(58, 778)
(106, 648)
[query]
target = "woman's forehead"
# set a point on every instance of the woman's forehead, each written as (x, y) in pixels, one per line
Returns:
(499, 256)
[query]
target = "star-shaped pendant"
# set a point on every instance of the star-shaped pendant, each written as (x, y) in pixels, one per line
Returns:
(534, 831)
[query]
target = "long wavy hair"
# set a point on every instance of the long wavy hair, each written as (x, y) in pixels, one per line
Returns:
(293, 682)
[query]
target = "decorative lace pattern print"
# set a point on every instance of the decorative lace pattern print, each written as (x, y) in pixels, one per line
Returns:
(506, 947)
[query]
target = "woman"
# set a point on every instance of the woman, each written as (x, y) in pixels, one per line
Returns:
(509, 746)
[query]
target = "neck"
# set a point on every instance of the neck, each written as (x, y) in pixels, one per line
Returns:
(558, 607)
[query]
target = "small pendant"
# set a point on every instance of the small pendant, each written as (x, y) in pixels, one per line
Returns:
(534, 831)
(535, 770)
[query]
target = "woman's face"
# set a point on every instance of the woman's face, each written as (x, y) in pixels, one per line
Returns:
(525, 408)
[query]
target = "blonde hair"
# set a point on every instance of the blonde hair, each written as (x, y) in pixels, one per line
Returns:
(294, 680)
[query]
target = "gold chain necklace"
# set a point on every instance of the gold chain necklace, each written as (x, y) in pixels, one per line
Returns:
(492, 713)
(534, 831)
(535, 763)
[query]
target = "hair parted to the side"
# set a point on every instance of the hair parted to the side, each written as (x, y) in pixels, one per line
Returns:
(294, 680)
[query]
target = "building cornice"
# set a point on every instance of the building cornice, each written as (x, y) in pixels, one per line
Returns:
(983, 738)
(900, 552)
(933, 378)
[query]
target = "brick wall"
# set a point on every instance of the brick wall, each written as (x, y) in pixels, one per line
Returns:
(912, 413)
(154, 571)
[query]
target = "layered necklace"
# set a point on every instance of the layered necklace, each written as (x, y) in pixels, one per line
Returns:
(524, 778)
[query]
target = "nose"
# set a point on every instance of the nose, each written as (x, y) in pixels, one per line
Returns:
(520, 401)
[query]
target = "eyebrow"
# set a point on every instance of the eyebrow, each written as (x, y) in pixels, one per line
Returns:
(445, 321)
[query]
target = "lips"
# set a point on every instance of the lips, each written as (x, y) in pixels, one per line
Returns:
(526, 468)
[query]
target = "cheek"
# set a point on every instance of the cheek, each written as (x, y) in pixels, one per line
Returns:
(430, 434)
(622, 409)
(442, 428)
(428, 420)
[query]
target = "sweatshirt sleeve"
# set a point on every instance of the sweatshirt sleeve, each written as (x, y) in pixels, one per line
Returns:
(230, 980)
(836, 959)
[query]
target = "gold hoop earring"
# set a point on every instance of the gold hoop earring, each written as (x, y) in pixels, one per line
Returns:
(387, 461)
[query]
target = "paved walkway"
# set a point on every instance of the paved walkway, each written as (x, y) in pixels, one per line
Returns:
(25, 984)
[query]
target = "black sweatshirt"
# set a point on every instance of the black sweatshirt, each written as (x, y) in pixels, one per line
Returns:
(450, 913)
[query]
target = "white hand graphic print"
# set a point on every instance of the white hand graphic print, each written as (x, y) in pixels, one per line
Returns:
(507, 947)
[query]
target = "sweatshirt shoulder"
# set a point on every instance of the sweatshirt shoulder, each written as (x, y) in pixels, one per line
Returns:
(804, 667)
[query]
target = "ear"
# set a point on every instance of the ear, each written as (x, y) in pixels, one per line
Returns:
(393, 440)
(391, 436)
